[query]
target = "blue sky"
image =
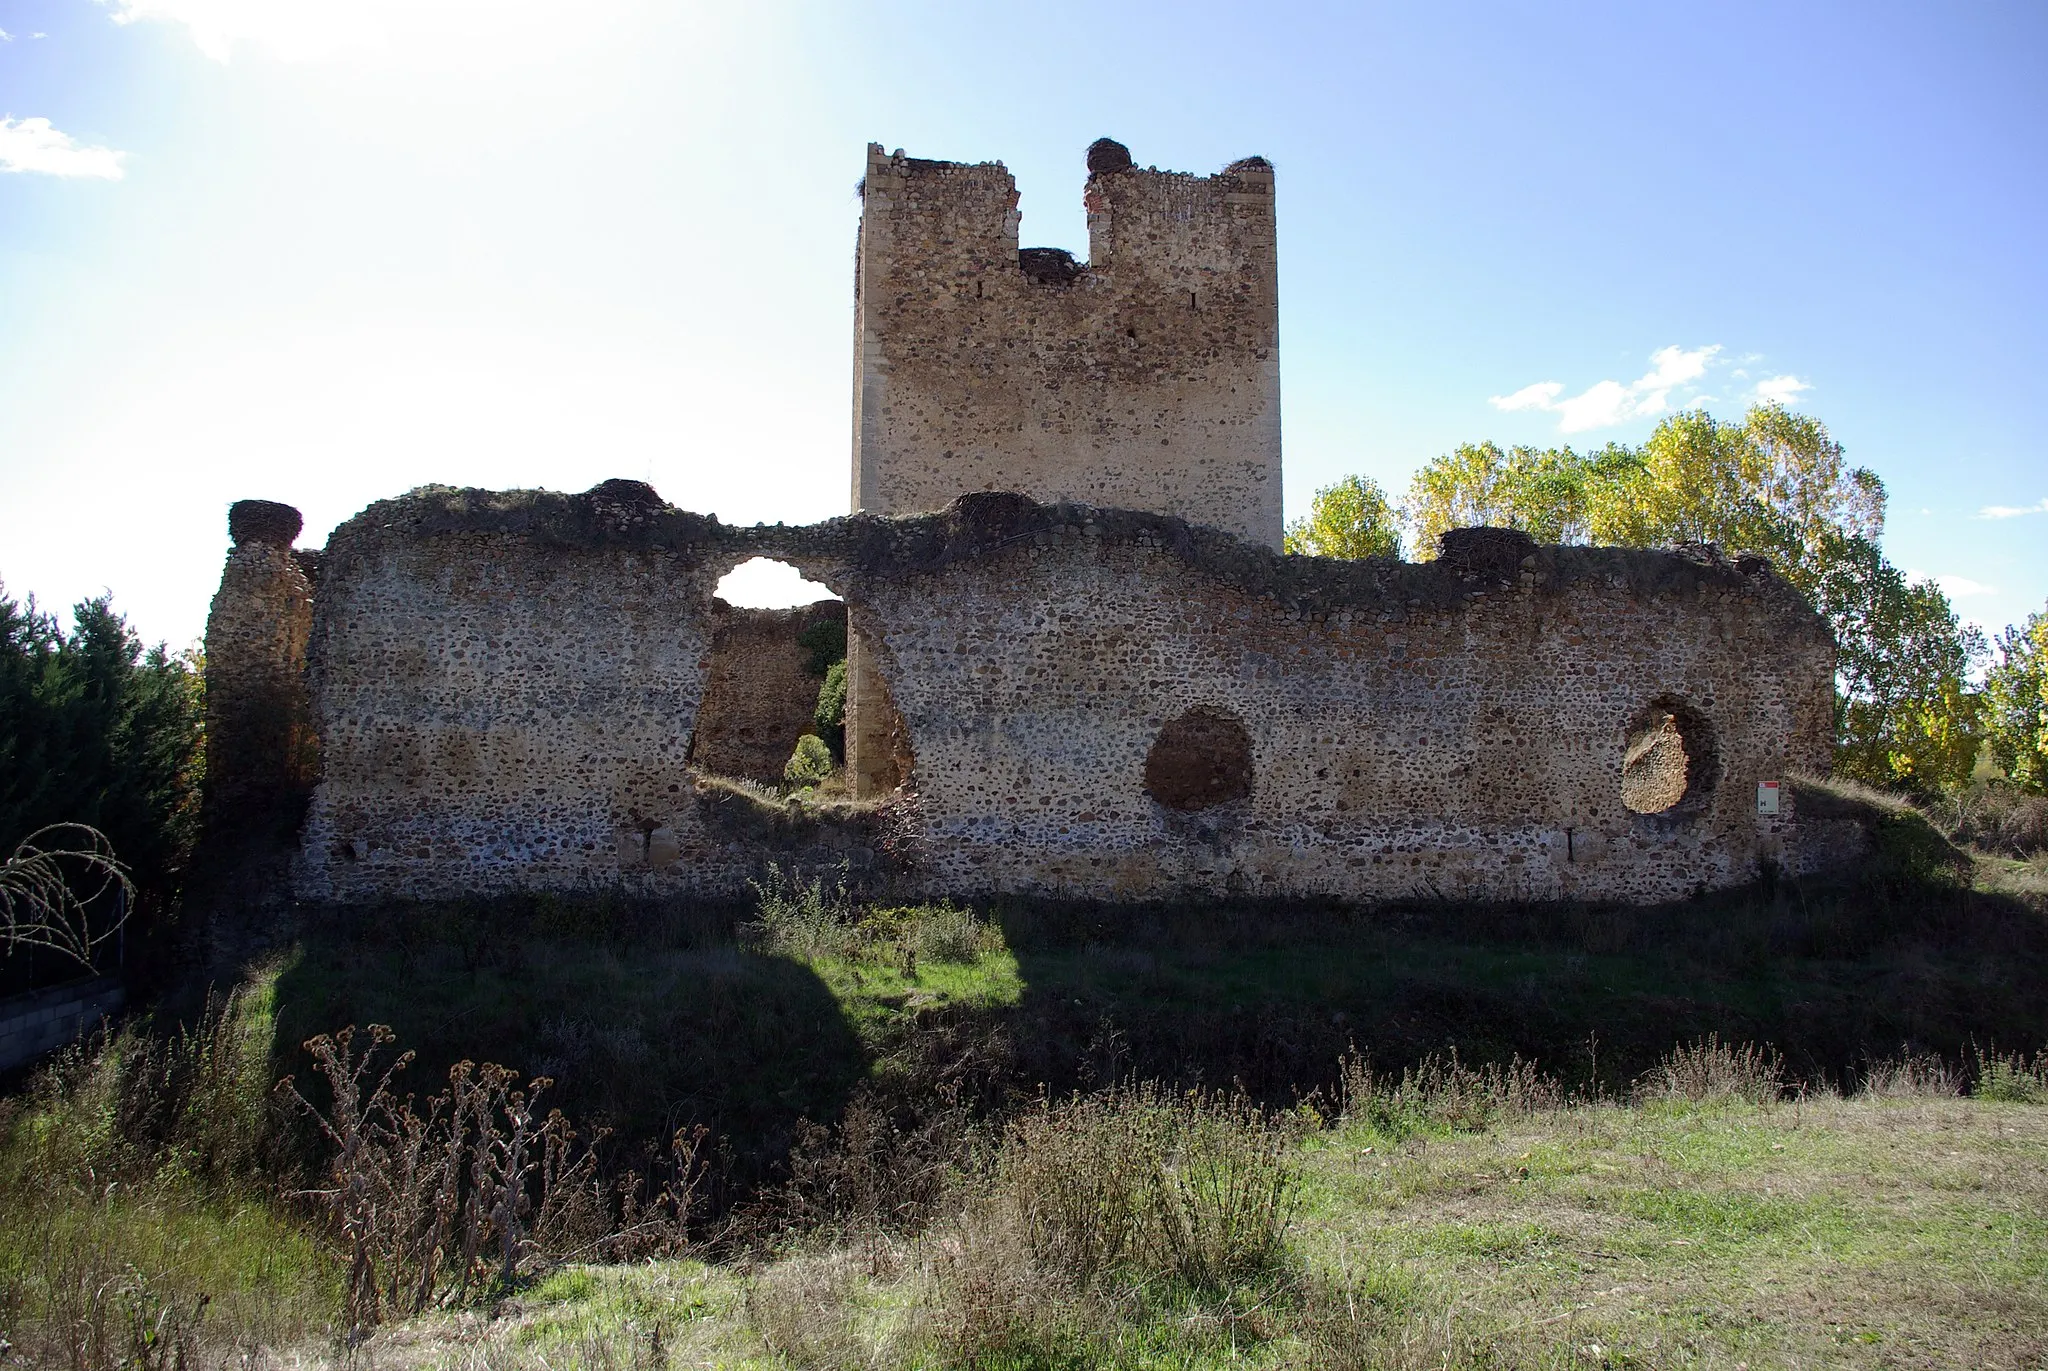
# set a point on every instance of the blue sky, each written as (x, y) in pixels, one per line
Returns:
(321, 252)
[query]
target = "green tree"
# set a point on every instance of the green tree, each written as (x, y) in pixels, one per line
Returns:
(1905, 716)
(96, 730)
(1777, 483)
(829, 714)
(1543, 492)
(810, 764)
(2016, 704)
(1349, 519)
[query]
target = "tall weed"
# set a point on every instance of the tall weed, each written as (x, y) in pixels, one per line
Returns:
(128, 1104)
(1710, 1070)
(1097, 1204)
(1440, 1093)
(1912, 1076)
(803, 920)
(134, 1228)
(2012, 1077)
(458, 1198)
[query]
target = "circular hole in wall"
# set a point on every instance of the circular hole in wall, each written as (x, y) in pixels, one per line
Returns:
(1669, 761)
(1200, 759)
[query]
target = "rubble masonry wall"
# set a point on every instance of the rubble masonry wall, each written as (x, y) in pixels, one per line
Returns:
(505, 684)
(260, 748)
(1146, 378)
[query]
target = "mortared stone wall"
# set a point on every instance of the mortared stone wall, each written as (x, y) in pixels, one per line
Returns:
(1093, 703)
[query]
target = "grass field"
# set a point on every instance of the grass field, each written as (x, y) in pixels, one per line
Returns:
(871, 1078)
(1818, 1232)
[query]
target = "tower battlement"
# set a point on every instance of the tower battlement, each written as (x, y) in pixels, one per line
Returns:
(1147, 377)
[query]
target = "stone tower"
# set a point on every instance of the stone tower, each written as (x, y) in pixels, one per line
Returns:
(1146, 378)
(261, 755)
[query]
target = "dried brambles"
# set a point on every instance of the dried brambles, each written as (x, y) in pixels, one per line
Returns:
(437, 1205)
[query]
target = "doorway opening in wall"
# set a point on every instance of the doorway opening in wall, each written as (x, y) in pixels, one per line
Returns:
(773, 713)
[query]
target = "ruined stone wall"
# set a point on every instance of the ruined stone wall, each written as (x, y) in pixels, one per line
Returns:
(1093, 703)
(260, 748)
(1459, 727)
(761, 691)
(499, 701)
(1146, 378)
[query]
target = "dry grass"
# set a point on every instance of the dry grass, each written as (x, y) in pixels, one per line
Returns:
(134, 1227)
(1882, 1230)
(1995, 818)
(1913, 1076)
(1711, 1070)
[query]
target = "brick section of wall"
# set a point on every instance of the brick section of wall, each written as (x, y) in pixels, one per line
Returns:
(760, 695)
(45, 1020)
(505, 683)
(260, 747)
(1148, 378)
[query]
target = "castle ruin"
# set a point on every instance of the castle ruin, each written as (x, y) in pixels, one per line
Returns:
(1081, 665)
(1147, 377)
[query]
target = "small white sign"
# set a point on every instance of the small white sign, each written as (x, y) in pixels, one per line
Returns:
(1767, 797)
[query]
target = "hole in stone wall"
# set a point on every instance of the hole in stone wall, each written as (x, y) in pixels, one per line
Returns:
(761, 583)
(1669, 763)
(1200, 759)
(776, 639)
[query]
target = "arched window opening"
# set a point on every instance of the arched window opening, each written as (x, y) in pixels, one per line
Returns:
(763, 583)
(1669, 762)
(776, 678)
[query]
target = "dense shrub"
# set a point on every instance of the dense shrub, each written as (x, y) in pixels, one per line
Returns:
(1996, 817)
(810, 764)
(830, 712)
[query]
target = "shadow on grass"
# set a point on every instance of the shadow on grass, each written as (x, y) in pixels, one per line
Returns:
(1267, 996)
(649, 1019)
(654, 1017)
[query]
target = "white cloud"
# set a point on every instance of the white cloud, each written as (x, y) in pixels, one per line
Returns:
(1537, 396)
(33, 145)
(1600, 406)
(1955, 587)
(1783, 390)
(5, 36)
(1607, 403)
(2012, 511)
(217, 25)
